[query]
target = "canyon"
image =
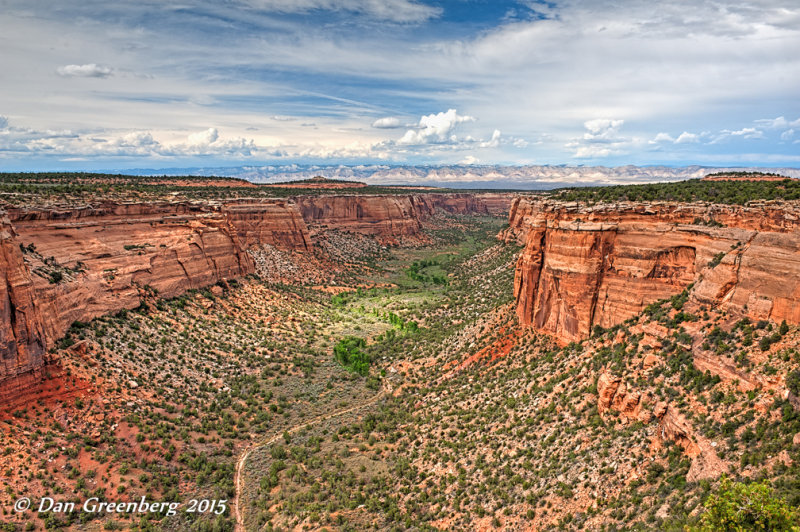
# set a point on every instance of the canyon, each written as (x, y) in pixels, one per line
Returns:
(62, 265)
(597, 265)
(589, 360)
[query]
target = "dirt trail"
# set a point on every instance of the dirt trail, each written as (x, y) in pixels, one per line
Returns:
(237, 479)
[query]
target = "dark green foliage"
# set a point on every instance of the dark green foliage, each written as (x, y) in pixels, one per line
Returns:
(738, 507)
(716, 260)
(793, 382)
(415, 272)
(731, 192)
(348, 353)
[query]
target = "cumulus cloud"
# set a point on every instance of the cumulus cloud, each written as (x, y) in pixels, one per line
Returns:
(746, 133)
(400, 11)
(136, 139)
(435, 128)
(686, 138)
(204, 138)
(601, 139)
(787, 135)
(520, 143)
(777, 123)
(389, 122)
(492, 142)
(3, 122)
(90, 70)
(602, 129)
(469, 159)
(662, 137)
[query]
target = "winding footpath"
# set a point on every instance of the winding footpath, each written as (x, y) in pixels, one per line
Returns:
(237, 479)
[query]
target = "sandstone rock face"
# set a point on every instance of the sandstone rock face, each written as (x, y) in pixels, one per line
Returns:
(382, 216)
(613, 395)
(390, 216)
(584, 266)
(276, 223)
(706, 464)
(22, 339)
(496, 203)
(103, 256)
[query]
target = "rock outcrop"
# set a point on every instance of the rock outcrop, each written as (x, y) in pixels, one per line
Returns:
(22, 337)
(599, 265)
(613, 395)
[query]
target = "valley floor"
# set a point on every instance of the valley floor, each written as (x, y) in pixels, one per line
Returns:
(447, 416)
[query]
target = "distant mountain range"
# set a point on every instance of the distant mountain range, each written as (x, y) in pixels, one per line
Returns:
(505, 177)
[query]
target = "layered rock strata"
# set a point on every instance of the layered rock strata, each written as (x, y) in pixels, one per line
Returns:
(391, 216)
(61, 265)
(599, 265)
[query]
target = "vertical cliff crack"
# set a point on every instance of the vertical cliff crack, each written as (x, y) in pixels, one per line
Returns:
(12, 316)
(605, 251)
(737, 262)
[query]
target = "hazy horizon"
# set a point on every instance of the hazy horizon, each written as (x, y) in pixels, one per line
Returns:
(130, 85)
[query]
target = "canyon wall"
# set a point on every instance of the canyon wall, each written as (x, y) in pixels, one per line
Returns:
(390, 216)
(599, 265)
(386, 217)
(61, 265)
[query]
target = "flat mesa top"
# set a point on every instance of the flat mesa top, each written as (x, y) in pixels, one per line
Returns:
(319, 182)
(746, 176)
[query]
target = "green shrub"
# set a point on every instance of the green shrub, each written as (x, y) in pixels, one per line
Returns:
(739, 507)
(348, 353)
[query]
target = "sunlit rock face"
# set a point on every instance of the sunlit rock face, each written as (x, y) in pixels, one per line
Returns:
(600, 265)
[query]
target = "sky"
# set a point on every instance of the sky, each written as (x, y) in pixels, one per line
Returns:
(89, 84)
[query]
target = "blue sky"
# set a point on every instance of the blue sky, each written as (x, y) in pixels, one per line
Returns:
(98, 85)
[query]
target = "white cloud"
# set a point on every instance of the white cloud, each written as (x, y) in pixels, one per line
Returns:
(389, 122)
(90, 70)
(136, 139)
(589, 152)
(787, 135)
(687, 138)
(469, 159)
(747, 133)
(204, 138)
(493, 142)
(648, 67)
(776, 123)
(401, 11)
(520, 143)
(601, 139)
(662, 137)
(602, 129)
(435, 128)
(3, 122)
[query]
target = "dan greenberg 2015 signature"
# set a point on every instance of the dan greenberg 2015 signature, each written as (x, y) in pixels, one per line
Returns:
(94, 505)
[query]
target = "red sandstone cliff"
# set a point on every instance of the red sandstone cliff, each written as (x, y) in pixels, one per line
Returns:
(584, 266)
(391, 216)
(22, 338)
(383, 216)
(60, 265)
